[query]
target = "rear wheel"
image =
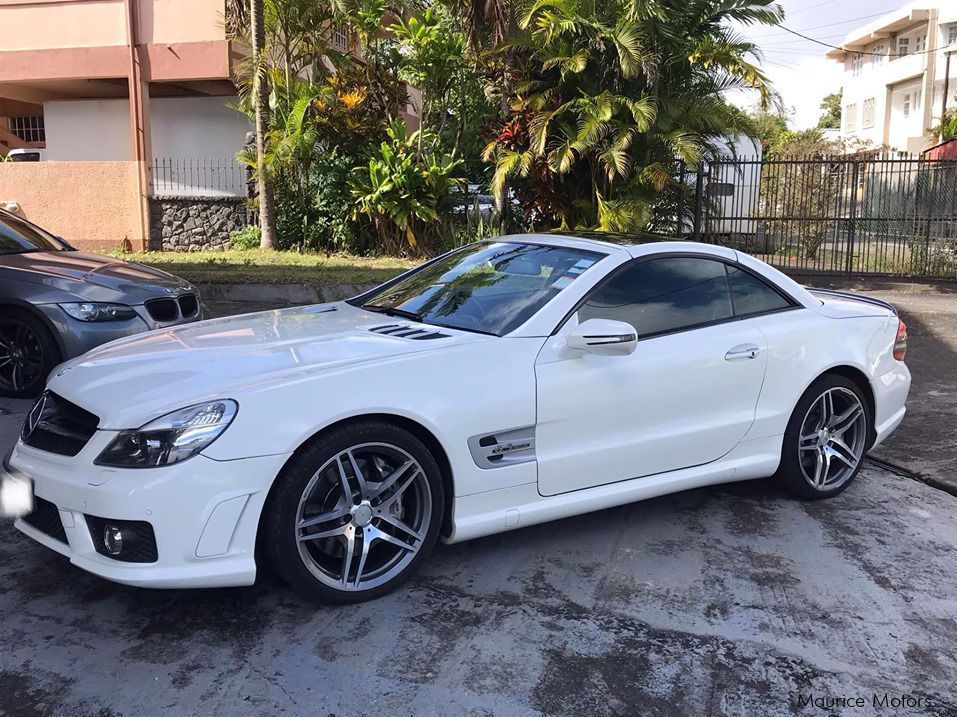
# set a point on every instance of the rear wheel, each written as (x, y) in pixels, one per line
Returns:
(826, 439)
(355, 513)
(28, 352)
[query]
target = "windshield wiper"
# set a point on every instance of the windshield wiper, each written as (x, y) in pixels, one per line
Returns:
(389, 311)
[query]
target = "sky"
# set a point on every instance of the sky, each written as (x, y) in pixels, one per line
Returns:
(797, 68)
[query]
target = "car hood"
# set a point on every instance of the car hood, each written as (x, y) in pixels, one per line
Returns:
(129, 382)
(94, 277)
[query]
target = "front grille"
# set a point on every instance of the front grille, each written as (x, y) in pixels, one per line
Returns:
(163, 310)
(188, 305)
(139, 541)
(46, 518)
(57, 426)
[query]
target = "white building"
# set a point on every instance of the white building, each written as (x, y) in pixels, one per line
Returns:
(894, 72)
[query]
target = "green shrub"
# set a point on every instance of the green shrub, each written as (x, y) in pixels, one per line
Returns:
(405, 191)
(245, 239)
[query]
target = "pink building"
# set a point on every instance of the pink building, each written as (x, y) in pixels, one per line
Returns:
(141, 84)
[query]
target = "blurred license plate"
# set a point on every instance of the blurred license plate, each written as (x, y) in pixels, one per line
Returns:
(16, 495)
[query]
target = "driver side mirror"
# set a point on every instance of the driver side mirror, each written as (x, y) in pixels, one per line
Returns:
(605, 337)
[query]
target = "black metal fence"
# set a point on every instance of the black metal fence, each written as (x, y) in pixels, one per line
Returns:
(200, 177)
(888, 214)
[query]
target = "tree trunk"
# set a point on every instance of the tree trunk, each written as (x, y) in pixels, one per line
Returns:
(267, 207)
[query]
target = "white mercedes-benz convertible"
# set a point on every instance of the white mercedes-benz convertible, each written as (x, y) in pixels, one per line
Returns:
(503, 384)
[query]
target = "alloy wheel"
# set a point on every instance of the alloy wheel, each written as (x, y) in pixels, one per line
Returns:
(363, 516)
(21, 356)
(832, 439)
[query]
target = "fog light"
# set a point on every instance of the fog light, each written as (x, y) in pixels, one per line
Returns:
(113, 539)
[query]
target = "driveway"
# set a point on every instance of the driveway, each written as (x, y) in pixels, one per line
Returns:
(725, 601)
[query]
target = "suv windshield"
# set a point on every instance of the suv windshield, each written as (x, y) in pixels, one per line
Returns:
(20, 237)
(487, 287)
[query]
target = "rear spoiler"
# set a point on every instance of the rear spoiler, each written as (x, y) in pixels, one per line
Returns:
(856, 297)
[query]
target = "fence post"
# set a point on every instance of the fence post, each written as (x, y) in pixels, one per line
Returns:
(698, 202)
(851, 227)
(680, 213)
(932, 190)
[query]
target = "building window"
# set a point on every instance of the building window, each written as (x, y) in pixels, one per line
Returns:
(340, 37)
(916, 99)
(903, 46)
(721, 189)
(857, 64)
(850, 118)
(29, 129)
(868, 119)
(920, 43)
(879, 56)
(952, 34)
(907, 105)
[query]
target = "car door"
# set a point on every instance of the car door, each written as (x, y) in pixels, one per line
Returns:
(685, 397)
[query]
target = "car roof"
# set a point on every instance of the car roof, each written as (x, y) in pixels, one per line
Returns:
(613, 242)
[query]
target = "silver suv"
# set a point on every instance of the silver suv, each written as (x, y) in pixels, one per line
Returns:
(57, 303)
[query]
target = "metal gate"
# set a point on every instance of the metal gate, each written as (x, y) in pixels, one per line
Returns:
(888, 214)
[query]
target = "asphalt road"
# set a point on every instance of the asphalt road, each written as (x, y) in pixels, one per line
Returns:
(726, 601)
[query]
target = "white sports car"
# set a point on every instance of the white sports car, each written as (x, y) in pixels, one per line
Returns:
(503, 384)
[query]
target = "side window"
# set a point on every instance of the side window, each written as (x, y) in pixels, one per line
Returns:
(663, 295)
(751, 295)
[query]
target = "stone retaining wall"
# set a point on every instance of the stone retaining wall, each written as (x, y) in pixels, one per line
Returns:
(194, 223)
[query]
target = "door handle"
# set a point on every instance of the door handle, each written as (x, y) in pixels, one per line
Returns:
(739, 353)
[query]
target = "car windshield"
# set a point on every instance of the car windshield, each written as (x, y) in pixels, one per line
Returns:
(487, 287)
(20, 237)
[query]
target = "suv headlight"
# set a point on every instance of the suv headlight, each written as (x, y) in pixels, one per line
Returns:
(95, 311)
(170, 439)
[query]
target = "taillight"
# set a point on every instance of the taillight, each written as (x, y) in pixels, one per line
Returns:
(900, 343)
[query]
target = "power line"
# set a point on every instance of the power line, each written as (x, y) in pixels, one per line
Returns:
(856, 52)
(791, 43)
(811, 7)
(831, 24)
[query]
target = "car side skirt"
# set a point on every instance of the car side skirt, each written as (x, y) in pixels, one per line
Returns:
(496, 511)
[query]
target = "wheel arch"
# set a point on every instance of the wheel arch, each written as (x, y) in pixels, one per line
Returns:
(859, 379)
(412, 426)
(12, 303)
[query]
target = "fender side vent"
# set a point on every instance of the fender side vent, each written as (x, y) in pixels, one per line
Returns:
(504, 448)
(405, 331)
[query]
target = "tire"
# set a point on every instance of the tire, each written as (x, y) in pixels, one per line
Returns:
(28, 353)
(826, 439)
(361, 545)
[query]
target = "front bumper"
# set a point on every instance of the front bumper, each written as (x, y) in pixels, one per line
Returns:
(204, 513)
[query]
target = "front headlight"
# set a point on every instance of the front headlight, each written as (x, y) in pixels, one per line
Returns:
(95, 311)
(171, 438)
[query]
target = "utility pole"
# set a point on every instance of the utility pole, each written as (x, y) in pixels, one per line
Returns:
(943, 101)
(267, 206)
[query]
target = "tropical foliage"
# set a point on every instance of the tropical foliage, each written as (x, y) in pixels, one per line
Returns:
(946, 130)
(406, 189)
(605, 97)
(830, 111)
(571, 113)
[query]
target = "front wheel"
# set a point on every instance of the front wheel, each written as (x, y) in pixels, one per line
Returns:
(355, 513)
(28, 353)
(826, 439)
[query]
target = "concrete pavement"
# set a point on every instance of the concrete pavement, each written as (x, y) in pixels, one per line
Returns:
(727, 601)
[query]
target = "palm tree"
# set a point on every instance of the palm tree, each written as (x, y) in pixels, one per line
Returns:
(606, 96)
(267, 208)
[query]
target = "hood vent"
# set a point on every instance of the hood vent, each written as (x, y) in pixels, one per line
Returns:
(404, 331)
